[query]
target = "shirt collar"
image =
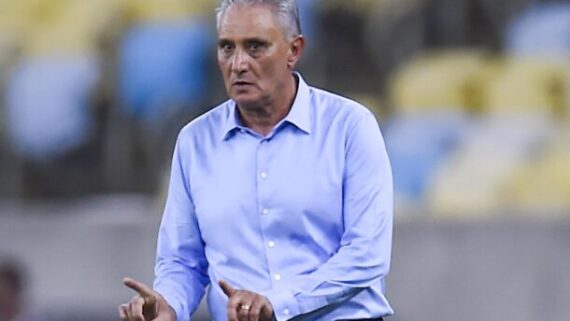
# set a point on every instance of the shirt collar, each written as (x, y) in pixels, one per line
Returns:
(299, 115)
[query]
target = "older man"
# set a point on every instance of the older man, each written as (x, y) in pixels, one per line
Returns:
(280, 198)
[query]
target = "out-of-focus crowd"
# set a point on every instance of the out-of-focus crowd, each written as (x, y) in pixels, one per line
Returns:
(473, 96)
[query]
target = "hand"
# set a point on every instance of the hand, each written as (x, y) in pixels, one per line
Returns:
(147, 305)
(246, 305)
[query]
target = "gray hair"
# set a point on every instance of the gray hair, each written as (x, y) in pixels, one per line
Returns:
(286, 10)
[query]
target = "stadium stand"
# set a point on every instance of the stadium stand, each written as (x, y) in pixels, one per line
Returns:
(440, 94)
(174, 42)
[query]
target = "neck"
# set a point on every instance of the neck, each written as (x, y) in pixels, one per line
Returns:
(262, 119)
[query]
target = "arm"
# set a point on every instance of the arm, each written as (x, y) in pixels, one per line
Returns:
(364, 255)
(180, 265)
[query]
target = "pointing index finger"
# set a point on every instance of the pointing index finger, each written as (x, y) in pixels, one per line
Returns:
(143, 290)
(227, 288)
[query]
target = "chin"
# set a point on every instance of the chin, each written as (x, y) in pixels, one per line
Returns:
(245, 101)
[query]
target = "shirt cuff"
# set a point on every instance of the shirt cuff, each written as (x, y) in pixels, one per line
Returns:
(175, 304)
(284, 304)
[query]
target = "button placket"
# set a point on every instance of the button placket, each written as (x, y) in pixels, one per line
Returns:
(263, 176)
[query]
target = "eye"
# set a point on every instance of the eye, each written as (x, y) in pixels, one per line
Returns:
(256, 46)
(226, 47)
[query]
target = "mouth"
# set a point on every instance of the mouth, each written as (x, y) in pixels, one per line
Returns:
(241, 83)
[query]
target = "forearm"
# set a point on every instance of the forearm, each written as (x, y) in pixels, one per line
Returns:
(336, 281)
(181, 287)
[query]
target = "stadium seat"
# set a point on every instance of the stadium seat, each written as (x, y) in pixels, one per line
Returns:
(167, 10)
(163, 66)
(309, 20)
(542, 186)
(438, 81)
(472, 182)
(418, 144)
(47, 105)
(527, 85)
(543, 30)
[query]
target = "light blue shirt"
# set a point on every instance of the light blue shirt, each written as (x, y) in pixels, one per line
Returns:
(302, 216)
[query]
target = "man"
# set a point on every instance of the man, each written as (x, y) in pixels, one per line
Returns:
(280, 198)
(13, 306)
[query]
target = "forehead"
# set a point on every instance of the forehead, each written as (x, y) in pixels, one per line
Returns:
(247, 21)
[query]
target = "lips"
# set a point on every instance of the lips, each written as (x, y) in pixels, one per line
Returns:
(241, 83)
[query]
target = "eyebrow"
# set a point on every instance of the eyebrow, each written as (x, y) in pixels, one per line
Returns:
(224, 41)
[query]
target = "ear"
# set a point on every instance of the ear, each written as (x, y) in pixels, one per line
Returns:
(296, 48)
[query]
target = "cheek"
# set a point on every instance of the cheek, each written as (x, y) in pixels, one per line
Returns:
(224, 69)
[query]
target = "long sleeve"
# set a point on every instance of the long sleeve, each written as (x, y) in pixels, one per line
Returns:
(363, 258)
(181, 266)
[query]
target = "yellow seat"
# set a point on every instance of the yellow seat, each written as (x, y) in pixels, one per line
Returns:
(438, 81)
(525, 85)
(367, 6)
(15, 22)
(169, 10)
(68, 27)
(543, 186)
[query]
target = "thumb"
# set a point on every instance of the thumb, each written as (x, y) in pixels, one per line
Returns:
(227, 288)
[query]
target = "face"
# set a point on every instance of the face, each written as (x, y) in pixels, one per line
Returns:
(255, 56)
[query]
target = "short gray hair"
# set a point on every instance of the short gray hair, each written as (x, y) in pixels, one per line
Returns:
(286, 10)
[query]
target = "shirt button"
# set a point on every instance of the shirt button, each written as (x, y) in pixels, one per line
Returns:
(286, 312)
(263, 175)
(265, 211)
(271, 244)
(277, 277)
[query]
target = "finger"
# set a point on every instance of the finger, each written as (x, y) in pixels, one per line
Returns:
(138, 286)
(132, 312)
(233, 306)
(137, 309)
(255, 310)
(227, 288)
(129, 312)
(266, 311)
(244, 310)
(123, 312)
(144, 291)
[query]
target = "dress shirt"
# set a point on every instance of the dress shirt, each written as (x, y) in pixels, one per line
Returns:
(302, 215)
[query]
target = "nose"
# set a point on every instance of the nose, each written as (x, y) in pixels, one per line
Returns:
(239, 61)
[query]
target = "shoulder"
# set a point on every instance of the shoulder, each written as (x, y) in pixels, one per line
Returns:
(206, 126)
(332, 107)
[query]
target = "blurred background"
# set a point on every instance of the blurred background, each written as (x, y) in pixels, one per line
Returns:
(473, 97)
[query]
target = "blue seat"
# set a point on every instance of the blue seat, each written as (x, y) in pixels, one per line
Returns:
(47, 105)
(308, 16)
(417, 144)
(162, 65)
(542, 29)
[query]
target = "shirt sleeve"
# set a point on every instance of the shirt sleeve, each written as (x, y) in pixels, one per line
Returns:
(363, 258)
(180, 271)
